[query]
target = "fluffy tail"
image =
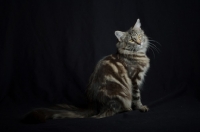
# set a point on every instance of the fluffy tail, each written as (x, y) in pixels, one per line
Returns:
(40, 115)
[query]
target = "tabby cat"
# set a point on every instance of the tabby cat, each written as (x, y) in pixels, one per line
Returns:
(115, 84)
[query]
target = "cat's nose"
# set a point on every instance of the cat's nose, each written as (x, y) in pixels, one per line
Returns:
(138, 42)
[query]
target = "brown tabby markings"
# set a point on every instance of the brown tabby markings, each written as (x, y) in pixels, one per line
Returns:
(115, 84)
(121, 79)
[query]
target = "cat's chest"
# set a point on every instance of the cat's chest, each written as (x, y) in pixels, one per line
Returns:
(137, 69)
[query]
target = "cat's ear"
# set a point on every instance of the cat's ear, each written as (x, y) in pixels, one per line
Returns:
(137, 24)
(119, 34)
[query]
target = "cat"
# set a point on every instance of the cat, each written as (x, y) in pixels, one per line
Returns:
(115, 84)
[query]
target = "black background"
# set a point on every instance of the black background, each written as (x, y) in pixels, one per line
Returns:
(48, 49)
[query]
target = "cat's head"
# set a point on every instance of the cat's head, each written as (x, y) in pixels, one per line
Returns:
(132, 41)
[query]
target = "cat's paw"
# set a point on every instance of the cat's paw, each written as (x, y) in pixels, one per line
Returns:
(143, 108)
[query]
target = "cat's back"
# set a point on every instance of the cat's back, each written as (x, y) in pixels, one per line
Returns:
(110, 70)
(111, 65)
(110, 77)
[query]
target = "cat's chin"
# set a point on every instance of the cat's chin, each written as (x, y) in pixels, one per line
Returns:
(142, 48)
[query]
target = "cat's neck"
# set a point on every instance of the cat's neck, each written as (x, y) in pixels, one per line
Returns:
(128, 60)
(131, 55)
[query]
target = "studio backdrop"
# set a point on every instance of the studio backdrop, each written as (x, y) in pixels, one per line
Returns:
(48, 50)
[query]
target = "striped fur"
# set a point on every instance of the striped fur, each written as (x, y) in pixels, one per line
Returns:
(115, 84)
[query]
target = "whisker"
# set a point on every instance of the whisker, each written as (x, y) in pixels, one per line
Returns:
(154, 46)
(152, 51)
(150, 39)
(155, 41)
(150, 46)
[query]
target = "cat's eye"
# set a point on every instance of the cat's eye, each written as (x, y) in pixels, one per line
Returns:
(132, 39)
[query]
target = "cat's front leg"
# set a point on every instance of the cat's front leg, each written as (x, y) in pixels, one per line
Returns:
(136, 101)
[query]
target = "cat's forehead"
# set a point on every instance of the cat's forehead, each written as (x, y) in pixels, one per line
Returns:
(133, 31)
